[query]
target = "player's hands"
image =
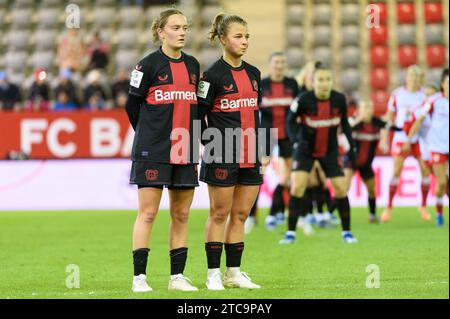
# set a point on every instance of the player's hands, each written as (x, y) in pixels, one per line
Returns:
(406, 148)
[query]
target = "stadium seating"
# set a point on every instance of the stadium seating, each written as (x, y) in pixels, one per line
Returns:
(379, 36)
(436, 55)
(379, 78)
(406, 13)
(433, 12)
(379, 56)
(407, 55)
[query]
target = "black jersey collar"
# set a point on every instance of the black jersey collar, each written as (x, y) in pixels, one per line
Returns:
(169, 58)
(241, 67)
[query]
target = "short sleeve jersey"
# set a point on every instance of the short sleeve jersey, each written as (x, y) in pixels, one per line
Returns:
(165, 130)
(319, 123)
(277, 97)
(230, 97)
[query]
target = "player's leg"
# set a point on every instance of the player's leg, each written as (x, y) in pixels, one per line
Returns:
(243, 198)
(251, 220)
(297, 205)
(284, 173)
(398, 166)
(180, 203)
(148, 205)
(440, 171)
(370, 185)
(425, 188)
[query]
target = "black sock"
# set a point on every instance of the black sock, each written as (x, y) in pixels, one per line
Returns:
(213, 254)
(277, 201)
(331, 204)
(343, 207)
(295, 204)
(178, 258)
(140, 261)
(372, 206)
(254, 207)
(319, 198)
(234, 254)
(307, 202)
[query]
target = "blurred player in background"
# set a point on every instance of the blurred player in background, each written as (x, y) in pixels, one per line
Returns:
(437, 138)
(155, 113)
(401, 105)
(278, 91)
(229, 94)
(321, 111)
(366, 134)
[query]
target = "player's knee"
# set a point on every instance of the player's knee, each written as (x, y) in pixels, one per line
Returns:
(239, 216)
(297, 190)
(219, 214)
(181, 216)
(147, 215)
(340, 191)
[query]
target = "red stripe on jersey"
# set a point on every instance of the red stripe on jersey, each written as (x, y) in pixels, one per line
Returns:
(364, 146)
(246, 92)
(181, 117)
(279, 112)
(321, 144)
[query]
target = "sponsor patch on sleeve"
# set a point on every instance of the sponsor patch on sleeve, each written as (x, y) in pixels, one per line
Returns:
(203, 88)
(136, 78)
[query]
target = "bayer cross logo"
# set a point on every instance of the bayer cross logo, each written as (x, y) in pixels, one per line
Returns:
(221, 173)
(151, 174)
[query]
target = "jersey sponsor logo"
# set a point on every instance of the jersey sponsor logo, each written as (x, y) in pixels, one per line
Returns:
(322, 123)
(203, 88)
(161, 96)
(163, 77)
(282, 101)
(226, 104)
(366, 137)
(221, 173)
(228, 88)
(151, 174)
(136, 78)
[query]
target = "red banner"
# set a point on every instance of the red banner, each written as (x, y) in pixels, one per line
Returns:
(56, 135)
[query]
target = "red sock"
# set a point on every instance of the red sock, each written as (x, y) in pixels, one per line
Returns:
(425, 189)
(439, 209)
(392, 190)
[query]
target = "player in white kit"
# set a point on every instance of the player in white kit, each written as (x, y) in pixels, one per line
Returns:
(400, 111)
(437, 109)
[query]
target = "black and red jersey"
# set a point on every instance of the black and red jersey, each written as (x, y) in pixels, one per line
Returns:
(319, 122)
(277, 97)
(168, 87)
(230, 97)
(366, 137)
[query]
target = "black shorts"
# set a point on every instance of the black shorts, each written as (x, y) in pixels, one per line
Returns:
(148, 174)
(226, 175)
(329, 164)
(366, 171)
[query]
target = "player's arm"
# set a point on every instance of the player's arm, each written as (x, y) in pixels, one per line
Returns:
(389, 119)
(139, 84)
(347, 130)
(205, 97)
(133, 107)
(292, 126)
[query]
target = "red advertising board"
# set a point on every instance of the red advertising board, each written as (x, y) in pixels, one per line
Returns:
(56, 135)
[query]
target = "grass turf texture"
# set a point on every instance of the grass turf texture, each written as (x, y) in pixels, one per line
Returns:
(36, 247)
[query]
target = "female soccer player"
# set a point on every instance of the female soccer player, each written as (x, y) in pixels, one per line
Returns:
(229, 94)
(437, 107)
(401, 105)
(366, 134)
(321, 111)
(278, 92)
(162, 106)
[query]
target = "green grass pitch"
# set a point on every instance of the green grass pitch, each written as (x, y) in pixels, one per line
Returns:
(36, 247)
